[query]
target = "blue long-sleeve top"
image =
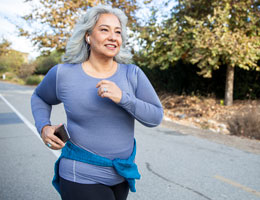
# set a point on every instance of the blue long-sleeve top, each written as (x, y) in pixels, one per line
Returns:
(97, 124)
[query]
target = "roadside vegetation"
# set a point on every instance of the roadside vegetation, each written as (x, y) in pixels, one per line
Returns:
(202, 56)
(245, 124)
(15, 66)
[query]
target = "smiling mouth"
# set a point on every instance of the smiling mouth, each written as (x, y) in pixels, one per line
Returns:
(111, 46)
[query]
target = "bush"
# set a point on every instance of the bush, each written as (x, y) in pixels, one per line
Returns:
(34, 80)
(45, 62)
(12, 77)
(247, 125)
(25, 70)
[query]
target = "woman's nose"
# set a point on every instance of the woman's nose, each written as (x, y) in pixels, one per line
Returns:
(112, 36)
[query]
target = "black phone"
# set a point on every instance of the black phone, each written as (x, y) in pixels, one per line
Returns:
(62, 133)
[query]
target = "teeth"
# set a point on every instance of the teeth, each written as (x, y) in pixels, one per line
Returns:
(110, 45)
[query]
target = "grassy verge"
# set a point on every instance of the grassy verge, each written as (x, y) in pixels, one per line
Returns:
(13, 78)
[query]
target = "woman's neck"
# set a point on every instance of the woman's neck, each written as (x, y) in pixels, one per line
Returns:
(101, 65)
(99, 68)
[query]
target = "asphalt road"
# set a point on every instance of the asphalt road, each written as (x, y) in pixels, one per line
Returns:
(173, 165)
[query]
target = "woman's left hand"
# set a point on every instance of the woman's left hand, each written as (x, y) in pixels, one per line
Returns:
(109, 90)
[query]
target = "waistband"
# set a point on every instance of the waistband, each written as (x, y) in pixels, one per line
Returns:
(124, 167)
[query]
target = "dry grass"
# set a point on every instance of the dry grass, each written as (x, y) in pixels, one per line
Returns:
(247, 124)
(208, 113)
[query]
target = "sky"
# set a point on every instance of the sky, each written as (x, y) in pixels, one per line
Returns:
(10, 14)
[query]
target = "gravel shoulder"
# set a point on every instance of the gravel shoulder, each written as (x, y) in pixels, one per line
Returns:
(241, 143)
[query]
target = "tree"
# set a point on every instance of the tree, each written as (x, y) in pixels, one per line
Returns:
(44, 63)
(58, 18)
(5, 47)
(10, 60)
(209, 34)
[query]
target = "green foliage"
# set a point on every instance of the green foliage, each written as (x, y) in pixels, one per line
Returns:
(220, 40)
(208, 34)
(14, 64)
(3, 64)
(12, 77)
(45, 62)
(34, 79)
(5, 47)
(10, 60)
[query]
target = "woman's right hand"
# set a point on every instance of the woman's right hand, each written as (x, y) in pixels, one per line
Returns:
(50, 139)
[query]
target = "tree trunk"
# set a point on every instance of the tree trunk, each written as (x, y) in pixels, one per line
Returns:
(229, 86)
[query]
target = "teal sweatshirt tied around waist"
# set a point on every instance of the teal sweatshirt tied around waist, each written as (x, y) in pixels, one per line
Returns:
(125, 168)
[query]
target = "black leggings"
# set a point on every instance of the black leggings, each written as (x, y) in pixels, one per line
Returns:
(76, 191)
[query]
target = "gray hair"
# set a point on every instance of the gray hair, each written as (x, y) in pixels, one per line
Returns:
(78, 50)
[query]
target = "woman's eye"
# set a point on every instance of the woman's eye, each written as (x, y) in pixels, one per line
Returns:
(103, 29)
(118, 32)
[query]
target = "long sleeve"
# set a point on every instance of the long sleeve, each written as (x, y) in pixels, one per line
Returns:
(145, 105)
(43, 98)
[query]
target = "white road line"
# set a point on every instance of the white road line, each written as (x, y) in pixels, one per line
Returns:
(238, 185)
(27, 123)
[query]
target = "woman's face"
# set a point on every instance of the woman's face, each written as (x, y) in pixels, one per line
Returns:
(106, 38)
